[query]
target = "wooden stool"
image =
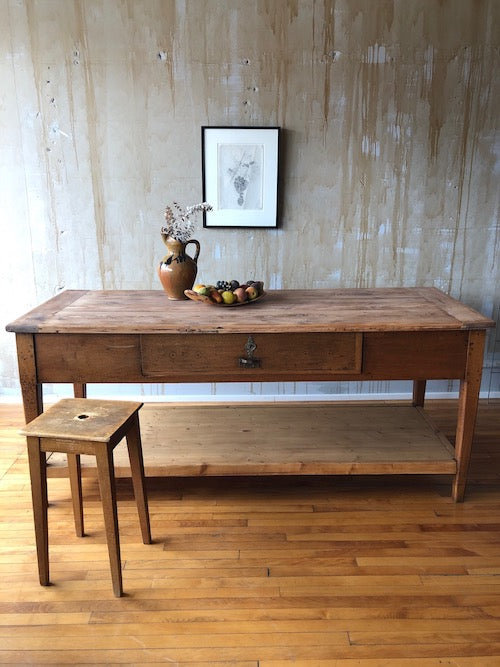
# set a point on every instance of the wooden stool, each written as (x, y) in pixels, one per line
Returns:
(78, 426)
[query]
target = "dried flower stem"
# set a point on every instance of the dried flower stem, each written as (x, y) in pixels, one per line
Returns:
(179, 224)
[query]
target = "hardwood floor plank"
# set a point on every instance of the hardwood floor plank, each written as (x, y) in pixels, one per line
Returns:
(388, 662)
(414, 637)
(231, 654)
(44, 619)
(170, 639)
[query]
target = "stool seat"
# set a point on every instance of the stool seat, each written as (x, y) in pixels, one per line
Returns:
(78, 426)
(81, 419)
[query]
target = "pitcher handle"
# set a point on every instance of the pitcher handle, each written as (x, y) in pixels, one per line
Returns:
(197, 244)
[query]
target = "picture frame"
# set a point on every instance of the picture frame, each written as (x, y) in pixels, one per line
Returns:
(240, 170)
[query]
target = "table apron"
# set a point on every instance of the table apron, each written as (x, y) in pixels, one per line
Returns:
(240, 357)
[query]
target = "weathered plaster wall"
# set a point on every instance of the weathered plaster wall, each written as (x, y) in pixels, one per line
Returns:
(391, 149)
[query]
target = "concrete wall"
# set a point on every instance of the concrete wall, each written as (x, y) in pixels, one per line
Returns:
(390, 160)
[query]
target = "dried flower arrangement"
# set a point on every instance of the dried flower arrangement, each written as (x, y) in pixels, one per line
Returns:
(179, 225)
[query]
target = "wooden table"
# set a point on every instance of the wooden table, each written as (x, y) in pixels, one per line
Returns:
(296, 335)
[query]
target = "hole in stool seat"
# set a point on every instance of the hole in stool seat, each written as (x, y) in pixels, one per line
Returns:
(83, 416)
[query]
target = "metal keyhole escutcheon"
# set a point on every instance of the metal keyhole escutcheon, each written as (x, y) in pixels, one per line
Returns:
(249, 361)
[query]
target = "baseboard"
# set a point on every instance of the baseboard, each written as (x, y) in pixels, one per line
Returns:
(261, 398)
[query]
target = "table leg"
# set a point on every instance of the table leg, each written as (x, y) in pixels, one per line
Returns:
(79, 390)
(38, 477)
(30, 388)
(467, 411)
(33, 406)
(419, 392)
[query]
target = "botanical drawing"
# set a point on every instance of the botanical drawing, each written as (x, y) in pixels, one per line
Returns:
(240, 176)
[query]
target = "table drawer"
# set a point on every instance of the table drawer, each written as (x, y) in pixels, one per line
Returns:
(241, 355)
(87, 358)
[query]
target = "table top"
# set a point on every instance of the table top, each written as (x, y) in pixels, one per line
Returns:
(280, 311)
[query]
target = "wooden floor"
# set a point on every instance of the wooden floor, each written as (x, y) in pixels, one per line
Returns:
(343, 571)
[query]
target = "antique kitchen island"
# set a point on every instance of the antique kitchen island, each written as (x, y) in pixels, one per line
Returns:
(415, 334)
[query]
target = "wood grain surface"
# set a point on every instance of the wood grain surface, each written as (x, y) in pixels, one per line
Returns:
(326, 334)
(365, 571)
(319, 310)
(286, 439)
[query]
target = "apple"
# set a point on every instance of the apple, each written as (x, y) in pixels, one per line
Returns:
(240, 294)
(252, 292)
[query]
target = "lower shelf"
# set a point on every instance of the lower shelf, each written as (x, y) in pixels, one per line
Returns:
(282, 439)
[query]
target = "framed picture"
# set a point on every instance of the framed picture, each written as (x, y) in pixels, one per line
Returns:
(240, 176)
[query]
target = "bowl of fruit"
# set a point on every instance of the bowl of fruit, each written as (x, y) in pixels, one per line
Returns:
(227, 293)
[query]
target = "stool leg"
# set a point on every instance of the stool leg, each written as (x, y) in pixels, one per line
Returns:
(75, 480)
(38, 474)
(134, 446)
(106, 476)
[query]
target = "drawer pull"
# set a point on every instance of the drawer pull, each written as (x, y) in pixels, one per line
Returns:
(249, 361)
